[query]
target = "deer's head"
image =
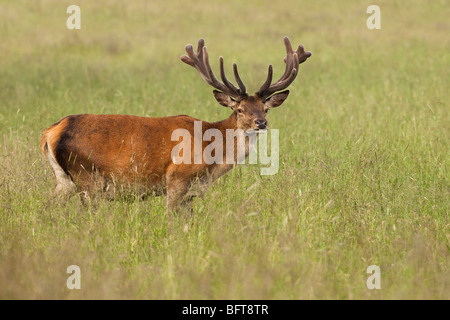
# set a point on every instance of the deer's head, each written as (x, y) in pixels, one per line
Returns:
(250, 111)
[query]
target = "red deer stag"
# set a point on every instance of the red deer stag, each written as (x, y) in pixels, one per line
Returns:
(138, 150)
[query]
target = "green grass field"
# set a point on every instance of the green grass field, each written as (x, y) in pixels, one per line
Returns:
(364, 151)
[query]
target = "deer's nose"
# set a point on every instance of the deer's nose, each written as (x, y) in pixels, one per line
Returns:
(261, 123)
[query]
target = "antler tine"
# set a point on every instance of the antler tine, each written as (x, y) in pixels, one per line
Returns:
(224, 78)
(200, 46)
(288, 59)
(200, 61)
(241, 85)
(188, 59)
(302, 54)
(213, 81)
(268, 81)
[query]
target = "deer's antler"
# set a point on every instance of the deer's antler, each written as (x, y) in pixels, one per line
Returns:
(200, 61)
(292, 60)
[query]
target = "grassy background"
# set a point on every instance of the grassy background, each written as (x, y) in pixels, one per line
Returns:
(364, 151)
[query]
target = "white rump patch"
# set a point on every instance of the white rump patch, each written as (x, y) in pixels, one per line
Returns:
(64, 182)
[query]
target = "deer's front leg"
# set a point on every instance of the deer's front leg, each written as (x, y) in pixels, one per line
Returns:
(200, 185)
(177, 189)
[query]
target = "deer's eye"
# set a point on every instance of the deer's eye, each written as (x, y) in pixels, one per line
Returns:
(240, 111)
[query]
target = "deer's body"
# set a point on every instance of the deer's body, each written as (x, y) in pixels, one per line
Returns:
(125, 149)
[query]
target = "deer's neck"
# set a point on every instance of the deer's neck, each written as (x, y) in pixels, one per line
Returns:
(228, 123)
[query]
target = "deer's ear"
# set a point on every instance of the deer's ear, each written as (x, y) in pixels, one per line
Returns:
(277, 99)
(224, 99)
